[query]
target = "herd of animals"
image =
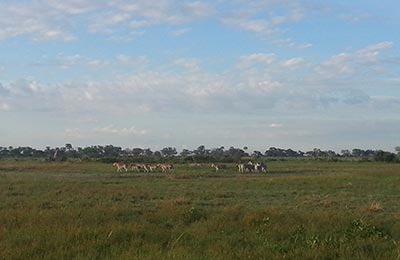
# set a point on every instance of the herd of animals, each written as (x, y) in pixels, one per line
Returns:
(142, 167)
(248, 167)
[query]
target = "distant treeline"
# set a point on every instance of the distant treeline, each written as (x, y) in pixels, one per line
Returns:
(109, 153)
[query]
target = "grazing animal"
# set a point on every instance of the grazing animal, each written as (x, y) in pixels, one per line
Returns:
(261, 167)
(165, 167)
(142, 166)
(135, 167)
(240, 167)
(120, 166)
(218, 167)
(249, 167)
(264, 167)
(151, 167)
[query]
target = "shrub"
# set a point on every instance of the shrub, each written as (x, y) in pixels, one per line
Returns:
(382, 156)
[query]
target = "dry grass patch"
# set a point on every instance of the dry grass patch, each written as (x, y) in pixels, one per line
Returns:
(181, 201)
(375, 207)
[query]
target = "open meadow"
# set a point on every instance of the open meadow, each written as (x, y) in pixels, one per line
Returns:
(300, 209)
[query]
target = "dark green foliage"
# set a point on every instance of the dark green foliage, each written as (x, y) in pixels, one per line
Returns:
(108, 153)
(382, 156)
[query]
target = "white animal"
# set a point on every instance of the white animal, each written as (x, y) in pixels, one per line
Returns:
(218, 167)
(151, 167)
(142, 166)
(249, 167)
(240, 167)
(134, 167)
(120, 166)
(165, 167)
(260, 167)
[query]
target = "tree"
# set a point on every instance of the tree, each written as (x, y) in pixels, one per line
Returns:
(68, 147)
(331, 153)
(112, 151)
(291, 153)
(217, 153)
(346, 153)
(236, 153)
(275, 152)
(382, 156)
(185, 153)
(201, 150)
(256, 154)
(357, 152)
(147, 152)
(168, 151)
(137, 152)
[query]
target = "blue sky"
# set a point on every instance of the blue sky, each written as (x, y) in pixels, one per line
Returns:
(262, 73)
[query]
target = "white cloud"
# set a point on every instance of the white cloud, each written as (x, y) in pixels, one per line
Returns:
(73, 7)
(288, 42)
(3, 91)
(293, 63)
(140, 23)
(34, 18)
(371, 53)
(268, 19)
(26, 88)
(268, 86)
(74, 133)
(88, 96)
(250, 60)
(58, 20)
(253, 25)
(68, 61)
(180, 32)
(4, 107)
(77, 60)
(148, 13)
(98, 63)
(304, 46)
(275, 125)
(294, 15)
(358, 16)
(191, 64)
(111, 130)
(337, 65)
(351, 62)
(267, 58)
(257, 83)
(52, 34)
(130, 60)
(198, 9)
(117, 18)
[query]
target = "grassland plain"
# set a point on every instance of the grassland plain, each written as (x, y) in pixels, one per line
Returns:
(300, 209)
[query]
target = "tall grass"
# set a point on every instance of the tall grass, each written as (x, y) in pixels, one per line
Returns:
(299, 210)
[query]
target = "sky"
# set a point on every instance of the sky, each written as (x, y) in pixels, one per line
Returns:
(297, 74)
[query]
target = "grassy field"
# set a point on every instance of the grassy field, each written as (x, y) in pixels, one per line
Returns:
(300, 209)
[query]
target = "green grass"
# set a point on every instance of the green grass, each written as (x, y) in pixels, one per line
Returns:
(301, 209)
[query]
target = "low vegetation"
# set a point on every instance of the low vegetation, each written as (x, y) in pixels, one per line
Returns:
(300, 209)
(110, 153)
